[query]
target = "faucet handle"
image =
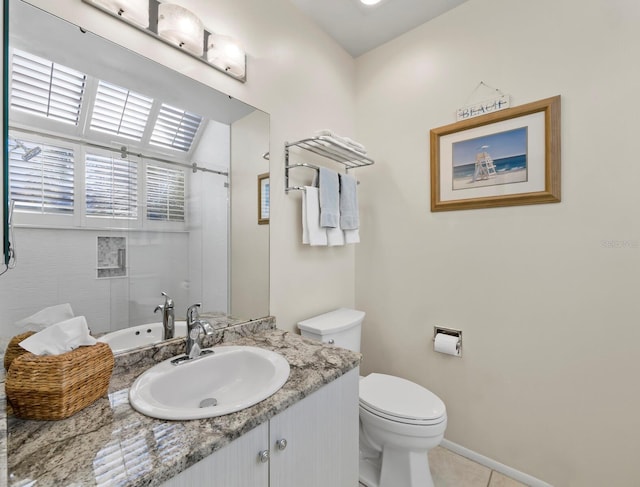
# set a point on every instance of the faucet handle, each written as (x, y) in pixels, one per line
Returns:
(168, 302)
(192, 312)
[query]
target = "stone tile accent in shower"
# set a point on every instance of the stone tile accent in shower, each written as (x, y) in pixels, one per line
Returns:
(112, 257)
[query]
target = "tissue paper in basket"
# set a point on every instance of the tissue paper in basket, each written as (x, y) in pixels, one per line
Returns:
(60, 338)
(51, 387)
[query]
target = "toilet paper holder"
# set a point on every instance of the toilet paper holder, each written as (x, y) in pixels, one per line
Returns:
(451, 332)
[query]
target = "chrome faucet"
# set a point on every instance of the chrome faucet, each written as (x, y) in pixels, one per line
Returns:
(168, 321)
(196, 327)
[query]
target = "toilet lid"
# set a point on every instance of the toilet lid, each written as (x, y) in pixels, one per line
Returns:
(400, 398)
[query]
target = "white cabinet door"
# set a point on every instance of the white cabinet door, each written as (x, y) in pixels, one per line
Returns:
(234, 465)
(321, 432)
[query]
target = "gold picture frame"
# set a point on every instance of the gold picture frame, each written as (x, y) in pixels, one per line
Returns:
(263, 199)
(516, 159)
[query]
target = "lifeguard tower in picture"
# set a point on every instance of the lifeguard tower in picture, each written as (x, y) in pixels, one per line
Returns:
(484, 165)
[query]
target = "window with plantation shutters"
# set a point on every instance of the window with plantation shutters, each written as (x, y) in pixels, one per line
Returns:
(44, 88)
(119, 111)
(44, 183)
(175, 128)
(165, 194)
(111, 187)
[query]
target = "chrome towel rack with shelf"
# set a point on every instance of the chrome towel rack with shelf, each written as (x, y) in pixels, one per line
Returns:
(326, 147)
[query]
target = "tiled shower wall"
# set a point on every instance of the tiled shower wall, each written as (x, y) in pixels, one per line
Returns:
(59, 266)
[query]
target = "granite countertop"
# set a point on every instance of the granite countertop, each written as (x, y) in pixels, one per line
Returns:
(109, 443)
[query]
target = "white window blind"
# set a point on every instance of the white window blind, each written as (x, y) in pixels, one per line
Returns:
(45, 88)
(44, 183)
(119, 111)
(111, 187)
(165, 194)
(175, 128)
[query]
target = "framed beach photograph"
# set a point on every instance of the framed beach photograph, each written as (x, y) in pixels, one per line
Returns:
(505, 158)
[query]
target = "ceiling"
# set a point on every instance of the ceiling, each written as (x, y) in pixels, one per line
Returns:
(359, 28)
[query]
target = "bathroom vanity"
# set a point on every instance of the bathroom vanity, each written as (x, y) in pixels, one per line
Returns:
(304, 434)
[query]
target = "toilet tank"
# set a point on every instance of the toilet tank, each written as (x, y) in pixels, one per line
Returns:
(340, 327)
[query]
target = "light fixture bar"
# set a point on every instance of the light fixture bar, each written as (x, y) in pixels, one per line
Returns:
(179, 28)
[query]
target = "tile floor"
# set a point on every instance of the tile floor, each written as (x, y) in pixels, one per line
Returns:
(449, 469)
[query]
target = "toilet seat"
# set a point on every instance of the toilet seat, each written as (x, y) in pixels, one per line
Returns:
(400, 400)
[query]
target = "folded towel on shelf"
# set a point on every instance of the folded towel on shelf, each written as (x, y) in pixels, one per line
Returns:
(356, 145)
(349, 218)
(329, 191)
(344, 142)
(60, 338)
(46, 317)
(326, 133)
(312, 233)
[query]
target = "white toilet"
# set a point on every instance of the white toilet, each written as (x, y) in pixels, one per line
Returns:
(399, 420)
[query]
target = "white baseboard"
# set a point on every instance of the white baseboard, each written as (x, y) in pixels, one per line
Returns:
(493, 465)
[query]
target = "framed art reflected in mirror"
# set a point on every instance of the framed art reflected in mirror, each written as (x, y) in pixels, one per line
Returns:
(263, 199)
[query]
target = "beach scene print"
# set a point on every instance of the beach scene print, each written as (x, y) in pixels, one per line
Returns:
(490, 160)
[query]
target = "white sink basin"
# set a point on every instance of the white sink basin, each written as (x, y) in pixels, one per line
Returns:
(140, 336)
(232, 377)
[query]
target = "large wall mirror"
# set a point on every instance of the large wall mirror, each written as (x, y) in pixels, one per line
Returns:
(108, 210)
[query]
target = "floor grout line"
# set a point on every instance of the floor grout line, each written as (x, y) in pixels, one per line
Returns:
(490, 477)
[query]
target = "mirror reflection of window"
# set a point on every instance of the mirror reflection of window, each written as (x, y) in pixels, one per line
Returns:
(116, 149)
(111, 186)
(46, 89)
(119, 111)
(41, 177)
(165, 194)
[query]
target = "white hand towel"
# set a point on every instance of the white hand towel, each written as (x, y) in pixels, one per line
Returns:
(305, 228)
(352, 236)
(60, 338)
(329, 198)
(335, 236)
(46, 317)
(349, 218)
(311, 230)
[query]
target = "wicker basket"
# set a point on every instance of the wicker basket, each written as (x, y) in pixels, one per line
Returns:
(53, 387)
(14, 350)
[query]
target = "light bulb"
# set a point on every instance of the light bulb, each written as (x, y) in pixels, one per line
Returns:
(181, 27)
(135, 11)
(225, 53)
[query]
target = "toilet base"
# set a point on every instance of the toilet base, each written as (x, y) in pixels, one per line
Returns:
(396, 468)
(369, 472)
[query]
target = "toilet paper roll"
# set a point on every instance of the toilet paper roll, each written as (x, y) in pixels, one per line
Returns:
(446, 344)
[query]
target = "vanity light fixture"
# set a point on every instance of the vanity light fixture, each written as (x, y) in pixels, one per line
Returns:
(370, 2)
(225, 53)
(135, 11)
(181, 28)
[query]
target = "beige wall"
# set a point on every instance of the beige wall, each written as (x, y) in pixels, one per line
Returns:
(540, 387)
(546, 295)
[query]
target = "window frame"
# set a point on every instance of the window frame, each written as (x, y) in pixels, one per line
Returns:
(80, 219)
(21, 217)
(101, 221)
(166, 225)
